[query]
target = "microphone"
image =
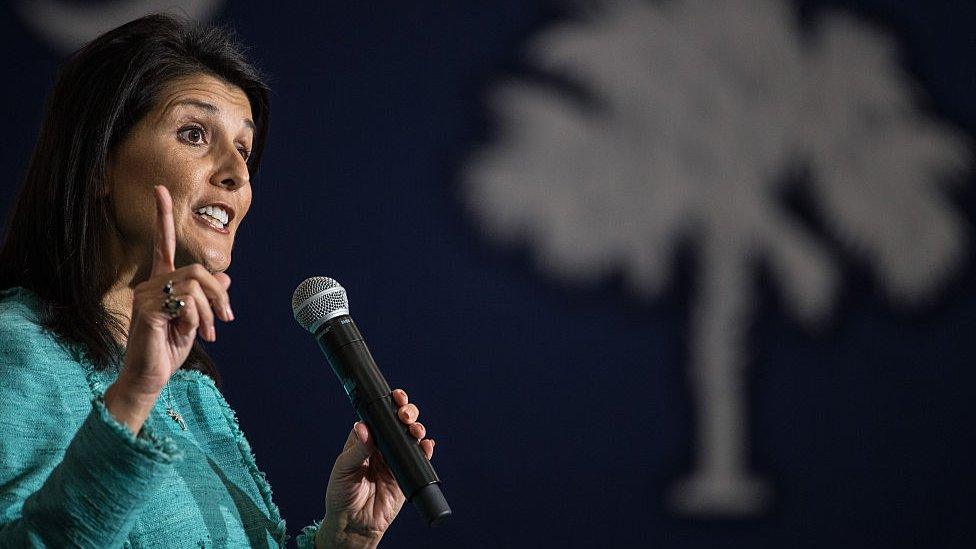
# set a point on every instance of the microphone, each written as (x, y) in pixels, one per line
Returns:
(320, 306)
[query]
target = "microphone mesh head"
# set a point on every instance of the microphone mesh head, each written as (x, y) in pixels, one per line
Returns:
(317, 300)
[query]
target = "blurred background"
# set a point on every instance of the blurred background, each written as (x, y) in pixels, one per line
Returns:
(685, 273)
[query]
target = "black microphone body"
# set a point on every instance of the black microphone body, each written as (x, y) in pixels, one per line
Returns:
(372, 398)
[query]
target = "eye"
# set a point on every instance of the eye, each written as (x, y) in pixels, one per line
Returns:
(194, 135)
(245, 152)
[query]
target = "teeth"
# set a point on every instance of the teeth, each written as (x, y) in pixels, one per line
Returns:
(216, 212)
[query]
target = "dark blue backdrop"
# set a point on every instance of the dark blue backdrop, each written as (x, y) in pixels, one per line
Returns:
(561, 413)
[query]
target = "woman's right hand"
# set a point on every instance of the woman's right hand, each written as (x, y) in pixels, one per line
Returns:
(157, 345)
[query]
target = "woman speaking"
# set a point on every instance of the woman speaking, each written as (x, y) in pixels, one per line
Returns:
(113, 431)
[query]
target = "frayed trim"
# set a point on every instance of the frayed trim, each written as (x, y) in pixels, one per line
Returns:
(96, 381)
(259, 477)
(306, 539)
(162, 450)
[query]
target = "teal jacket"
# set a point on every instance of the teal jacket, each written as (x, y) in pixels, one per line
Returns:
(72, 476)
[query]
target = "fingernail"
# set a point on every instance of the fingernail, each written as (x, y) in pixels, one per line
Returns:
(229, 313)
(213, 333)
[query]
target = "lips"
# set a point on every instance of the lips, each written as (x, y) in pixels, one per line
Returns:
(214, 215)
(209, 223)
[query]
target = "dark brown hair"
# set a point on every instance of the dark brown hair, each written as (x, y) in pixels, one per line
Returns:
(55, 241)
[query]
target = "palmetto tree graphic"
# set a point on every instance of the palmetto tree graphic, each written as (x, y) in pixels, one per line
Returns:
(698, 108)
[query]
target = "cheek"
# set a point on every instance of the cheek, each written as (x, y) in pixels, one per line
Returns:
(245, 204)
(184, 187)
(133, 208)
(133, 177)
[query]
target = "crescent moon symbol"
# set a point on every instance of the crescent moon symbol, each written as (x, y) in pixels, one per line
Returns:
(69, 26)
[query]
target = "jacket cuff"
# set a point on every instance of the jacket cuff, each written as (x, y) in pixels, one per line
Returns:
(107, 475)
(144, 446)
(306, 539)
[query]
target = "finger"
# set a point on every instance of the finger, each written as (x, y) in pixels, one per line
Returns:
(356, 450)
(409, 413)
(189, 319)
(427, 445)
(213, 288)
(164, 239)
(417, 430)
(363, 434)
(350, 440)
(192, 289)
(400, 397)
(223, 279)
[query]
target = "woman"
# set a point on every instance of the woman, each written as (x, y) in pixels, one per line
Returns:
(113, 431)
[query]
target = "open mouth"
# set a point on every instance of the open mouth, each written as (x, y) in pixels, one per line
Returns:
(216, 216)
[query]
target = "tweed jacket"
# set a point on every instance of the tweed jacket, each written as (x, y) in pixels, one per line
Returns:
(73, 476)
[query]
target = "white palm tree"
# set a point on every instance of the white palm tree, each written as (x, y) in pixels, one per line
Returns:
(699, 108)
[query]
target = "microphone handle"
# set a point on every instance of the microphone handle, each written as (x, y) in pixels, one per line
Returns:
(370, 395)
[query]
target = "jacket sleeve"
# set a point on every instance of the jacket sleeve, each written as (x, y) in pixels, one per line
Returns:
(306, 539)
(70, 474)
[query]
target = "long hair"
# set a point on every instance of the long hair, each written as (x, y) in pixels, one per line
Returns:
(55, 244)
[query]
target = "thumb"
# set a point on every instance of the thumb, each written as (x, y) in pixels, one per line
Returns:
(358, 447)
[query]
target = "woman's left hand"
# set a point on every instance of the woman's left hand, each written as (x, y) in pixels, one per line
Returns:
(363, 498)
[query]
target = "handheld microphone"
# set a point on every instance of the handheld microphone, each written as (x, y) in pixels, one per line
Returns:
(320, 305)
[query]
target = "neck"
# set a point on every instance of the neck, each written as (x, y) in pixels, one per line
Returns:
(121, 280)
(118, 302)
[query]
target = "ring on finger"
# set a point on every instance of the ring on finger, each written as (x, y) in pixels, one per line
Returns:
(168, 288)
(173, 306)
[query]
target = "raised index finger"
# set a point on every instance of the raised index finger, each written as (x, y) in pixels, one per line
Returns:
(164, 238)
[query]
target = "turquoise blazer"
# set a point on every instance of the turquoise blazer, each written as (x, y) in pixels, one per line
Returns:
(73, 476)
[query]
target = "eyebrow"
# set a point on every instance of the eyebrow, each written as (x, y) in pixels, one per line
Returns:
(210, 108)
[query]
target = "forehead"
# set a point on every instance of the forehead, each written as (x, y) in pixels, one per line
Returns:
(229, 99)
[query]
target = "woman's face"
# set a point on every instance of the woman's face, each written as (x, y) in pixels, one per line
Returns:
(195, 142)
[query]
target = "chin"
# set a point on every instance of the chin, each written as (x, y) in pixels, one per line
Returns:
(217, 265)
(215, 261)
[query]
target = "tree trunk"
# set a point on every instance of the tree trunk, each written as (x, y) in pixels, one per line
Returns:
(720, 483)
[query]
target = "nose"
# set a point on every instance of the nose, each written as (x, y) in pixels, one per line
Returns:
(232, 172)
